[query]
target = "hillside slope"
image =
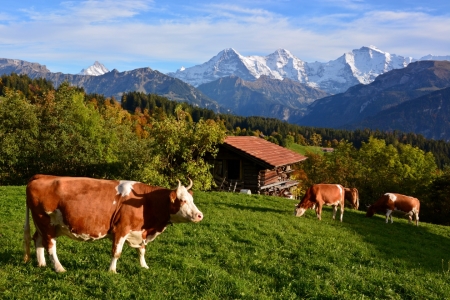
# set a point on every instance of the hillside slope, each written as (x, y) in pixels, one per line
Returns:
(247, 247)
(428, 115)
(388, 90)
(264, 97)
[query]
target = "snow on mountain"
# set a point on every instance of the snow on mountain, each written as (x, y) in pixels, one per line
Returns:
(278, 65)
(358, 66)
(96, 69)
(435, 57)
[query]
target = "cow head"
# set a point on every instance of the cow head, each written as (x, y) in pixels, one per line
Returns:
(301, 208)
(352, 195)
(182, 205)
(370, 210)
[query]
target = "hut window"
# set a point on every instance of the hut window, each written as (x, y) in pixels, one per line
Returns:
(234, 169)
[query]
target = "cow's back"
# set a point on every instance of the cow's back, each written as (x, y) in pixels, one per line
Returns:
(82, 206)
(406, 203)
(328, 193)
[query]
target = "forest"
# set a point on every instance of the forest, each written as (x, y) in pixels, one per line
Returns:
(149, 138)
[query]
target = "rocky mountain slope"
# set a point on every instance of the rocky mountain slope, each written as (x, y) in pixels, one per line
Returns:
(388, 90)
(115, 83)
(265, 97)
(428, 115)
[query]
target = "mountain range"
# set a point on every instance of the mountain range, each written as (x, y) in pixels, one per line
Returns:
(361, 103)
(356, 90)
(115, 83)
(336, 76)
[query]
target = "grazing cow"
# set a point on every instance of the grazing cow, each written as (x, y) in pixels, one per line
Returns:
(322, 194)
(390, 202)
(87, 209)
(352, 195)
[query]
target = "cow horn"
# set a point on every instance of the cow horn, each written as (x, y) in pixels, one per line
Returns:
(368, 205)
(190, 184)
(179, 183)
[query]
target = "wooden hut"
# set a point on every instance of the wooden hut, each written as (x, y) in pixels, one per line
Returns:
(252, 163)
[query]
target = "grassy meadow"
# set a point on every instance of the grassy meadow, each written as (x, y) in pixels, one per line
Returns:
(247, 247)
(304, 149)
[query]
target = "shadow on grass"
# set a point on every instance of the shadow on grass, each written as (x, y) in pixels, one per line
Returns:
(11, 257)
(252, 208)
(416, 246)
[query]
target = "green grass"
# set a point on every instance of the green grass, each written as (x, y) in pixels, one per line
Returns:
(247, 247)
(304, 149)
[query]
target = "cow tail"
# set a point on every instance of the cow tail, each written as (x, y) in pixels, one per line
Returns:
(26, 235)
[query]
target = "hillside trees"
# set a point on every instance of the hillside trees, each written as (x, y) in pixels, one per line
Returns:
(178, 146)
(63, 132)
(19, 127)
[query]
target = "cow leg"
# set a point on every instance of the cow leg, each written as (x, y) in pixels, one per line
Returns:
(53, 257)
(389, 213)
(319, 211)
(342, 211)
(141, 251)
(40, 255)
(116, 251)
(417, 218)
(334, 211)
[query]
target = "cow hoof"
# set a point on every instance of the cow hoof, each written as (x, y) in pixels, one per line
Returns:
(61, 270)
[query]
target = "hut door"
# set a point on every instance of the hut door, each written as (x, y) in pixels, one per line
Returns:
(234, 169)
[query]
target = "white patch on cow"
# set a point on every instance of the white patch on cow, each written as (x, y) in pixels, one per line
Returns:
(54, 258)
(40, 251)
(300, 211)
(188, 211)
(124, 188)
(134, 239)
(116, 255)
(341, 190)
(150, 238)
(85, 237)
(391, 196)
(389, 214)
(142, 257)
(338, 201)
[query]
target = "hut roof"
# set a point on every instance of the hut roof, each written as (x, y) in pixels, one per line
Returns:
(263, 152)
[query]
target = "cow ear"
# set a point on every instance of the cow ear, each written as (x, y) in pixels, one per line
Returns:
(173, 196)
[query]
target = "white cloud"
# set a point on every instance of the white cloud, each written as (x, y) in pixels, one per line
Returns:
(131, 34)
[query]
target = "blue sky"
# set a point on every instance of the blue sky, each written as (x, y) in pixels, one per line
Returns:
(164, 35)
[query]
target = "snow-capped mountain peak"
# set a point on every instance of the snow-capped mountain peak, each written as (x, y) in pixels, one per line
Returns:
(336, 76)
(96, 69)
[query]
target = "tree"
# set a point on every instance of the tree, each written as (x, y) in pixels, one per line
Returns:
(19, 128)
(178, 147)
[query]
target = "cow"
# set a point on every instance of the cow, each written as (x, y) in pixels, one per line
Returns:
(87, 209)
(318, 195)
(352, 195)
(391, 201)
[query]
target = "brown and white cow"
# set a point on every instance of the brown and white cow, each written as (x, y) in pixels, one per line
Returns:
(87, 209)
(319, 195)
(352, 195)
(391, 201)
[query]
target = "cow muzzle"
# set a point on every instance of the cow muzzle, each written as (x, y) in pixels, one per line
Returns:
(299, 211)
